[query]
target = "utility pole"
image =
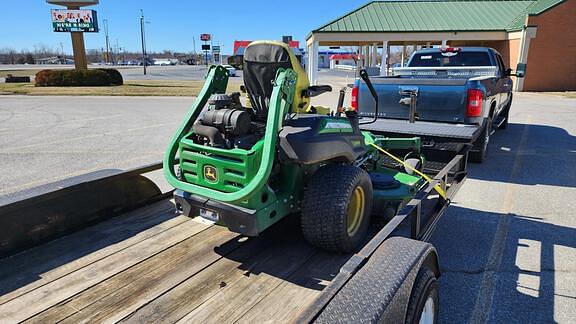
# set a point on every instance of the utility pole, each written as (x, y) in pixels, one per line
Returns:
(116, 56)
(107, 41)
(143, 40)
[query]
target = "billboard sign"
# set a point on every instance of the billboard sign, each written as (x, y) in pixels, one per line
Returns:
(79, 3)
(205, 37)
(74, 20)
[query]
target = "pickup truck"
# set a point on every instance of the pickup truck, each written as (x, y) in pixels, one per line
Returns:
(443, 95)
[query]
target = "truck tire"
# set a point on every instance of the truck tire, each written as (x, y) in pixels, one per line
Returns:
(392, 287)
(479, 151)
(506, 114)
(336, 208)
(424, 300)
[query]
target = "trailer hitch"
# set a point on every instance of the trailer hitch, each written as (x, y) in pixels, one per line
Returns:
(409, 98)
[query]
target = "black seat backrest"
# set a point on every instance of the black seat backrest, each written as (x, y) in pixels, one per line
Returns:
(261, 62)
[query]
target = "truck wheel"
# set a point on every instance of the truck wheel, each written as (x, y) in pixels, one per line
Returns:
(506, 114)
(478, 153)
(424, 299)
(336, 208)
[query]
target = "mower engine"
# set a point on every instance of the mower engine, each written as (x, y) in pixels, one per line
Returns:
(226, 124)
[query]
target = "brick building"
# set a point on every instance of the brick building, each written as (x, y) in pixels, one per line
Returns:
(540, 33)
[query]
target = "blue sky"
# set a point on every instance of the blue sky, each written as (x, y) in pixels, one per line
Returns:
(173, 23)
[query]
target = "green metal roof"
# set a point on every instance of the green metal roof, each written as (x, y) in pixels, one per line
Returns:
(439, 15)
(534, 9)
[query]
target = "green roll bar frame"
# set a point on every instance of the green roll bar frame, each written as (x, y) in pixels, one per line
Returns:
(216, 82)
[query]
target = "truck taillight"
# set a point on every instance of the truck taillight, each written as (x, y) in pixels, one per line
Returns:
(355, 98)
(474, 104)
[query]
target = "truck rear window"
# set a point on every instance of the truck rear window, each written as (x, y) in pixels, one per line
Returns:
(450, 59)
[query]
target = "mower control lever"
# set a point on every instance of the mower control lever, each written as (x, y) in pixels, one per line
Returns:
(316, 90)
(366, 79)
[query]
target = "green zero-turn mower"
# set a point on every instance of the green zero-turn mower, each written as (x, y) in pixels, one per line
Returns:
(248, 167)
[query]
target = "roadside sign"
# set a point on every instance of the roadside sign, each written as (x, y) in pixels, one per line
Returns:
(205, 47)
(79, 3)
(74, 20)
(205, 37)
(216, 48)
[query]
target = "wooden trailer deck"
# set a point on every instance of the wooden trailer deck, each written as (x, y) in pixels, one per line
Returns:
(152, 265)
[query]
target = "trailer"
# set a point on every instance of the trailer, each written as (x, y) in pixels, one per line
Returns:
(281, 213)
(116, 250)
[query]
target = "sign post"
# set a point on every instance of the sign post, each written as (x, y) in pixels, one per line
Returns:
(143, 40)
(205, 47)
(216, 54)
(76, 22)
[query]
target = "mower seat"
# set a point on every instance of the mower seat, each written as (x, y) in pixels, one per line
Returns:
(262, 59)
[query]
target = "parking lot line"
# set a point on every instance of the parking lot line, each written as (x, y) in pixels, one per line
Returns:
(481, 310)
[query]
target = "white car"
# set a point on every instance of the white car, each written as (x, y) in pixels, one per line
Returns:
(231, 70)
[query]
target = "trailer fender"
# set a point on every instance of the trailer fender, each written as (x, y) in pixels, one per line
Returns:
(380, 291)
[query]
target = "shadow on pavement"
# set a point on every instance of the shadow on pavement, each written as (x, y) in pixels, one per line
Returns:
(547, 157)
(525, 282)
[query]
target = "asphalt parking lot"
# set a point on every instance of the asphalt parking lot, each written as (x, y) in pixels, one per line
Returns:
(507, 244)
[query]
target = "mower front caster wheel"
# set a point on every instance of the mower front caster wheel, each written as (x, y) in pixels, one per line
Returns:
(336, 208)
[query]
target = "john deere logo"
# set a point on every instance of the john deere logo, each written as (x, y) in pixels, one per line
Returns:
(210, 173)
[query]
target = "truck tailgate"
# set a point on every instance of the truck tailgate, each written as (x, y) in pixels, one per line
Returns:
(438, 99)
(439, 132)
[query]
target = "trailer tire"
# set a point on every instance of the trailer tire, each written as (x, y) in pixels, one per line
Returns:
(424, 299)
(336, 208)
(480, 149)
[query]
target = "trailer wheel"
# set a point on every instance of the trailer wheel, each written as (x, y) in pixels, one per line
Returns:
(389, 287)
(336, 208)
(478, 153)
(423, 305)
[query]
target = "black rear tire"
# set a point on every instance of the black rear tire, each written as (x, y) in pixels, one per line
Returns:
(425, 290)
(506, 114)
(325, 208)
(480, 149)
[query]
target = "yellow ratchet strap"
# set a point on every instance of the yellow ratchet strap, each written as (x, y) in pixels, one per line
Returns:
(437, 187)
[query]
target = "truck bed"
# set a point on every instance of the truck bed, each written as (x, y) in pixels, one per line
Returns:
(152, 265)
(441, 132)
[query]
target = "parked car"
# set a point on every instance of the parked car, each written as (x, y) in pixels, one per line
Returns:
(231, 69)
(162, 62)
(453, 94)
